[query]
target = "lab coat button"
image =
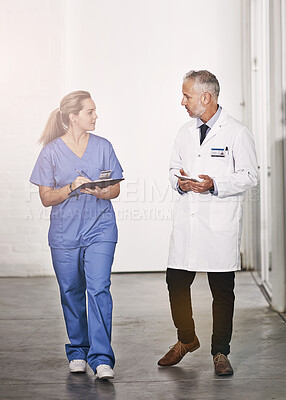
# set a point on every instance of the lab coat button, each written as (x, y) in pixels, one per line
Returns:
(199, 155)
(192, 215)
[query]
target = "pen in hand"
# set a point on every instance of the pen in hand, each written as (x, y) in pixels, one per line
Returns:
(80, 173)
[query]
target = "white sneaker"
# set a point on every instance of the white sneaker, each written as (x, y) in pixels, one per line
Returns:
(77, 366)
(104, 371)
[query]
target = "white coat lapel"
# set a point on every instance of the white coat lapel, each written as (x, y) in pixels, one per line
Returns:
(195, 133)
(216, 128)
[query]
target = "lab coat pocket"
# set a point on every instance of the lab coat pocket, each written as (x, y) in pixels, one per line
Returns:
(221, 165)
(181, 212)
(225, 214)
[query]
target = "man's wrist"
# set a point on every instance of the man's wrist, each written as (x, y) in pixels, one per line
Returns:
(213, 190)
(180, 190)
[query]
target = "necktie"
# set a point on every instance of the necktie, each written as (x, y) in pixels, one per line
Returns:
(203, 129)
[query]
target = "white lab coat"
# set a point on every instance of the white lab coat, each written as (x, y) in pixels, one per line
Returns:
(206, 228)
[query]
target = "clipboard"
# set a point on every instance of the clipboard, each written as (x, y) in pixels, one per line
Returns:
(101, 183)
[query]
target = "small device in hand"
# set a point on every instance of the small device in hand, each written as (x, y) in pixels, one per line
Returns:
(188, 178)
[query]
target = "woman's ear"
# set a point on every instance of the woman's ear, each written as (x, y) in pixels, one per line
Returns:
(72, 118)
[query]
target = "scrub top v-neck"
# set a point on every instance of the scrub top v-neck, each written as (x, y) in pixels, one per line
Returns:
(78, 221)
(85, 151)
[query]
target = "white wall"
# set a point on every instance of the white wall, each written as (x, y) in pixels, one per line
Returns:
(131, 55)
(30, 81)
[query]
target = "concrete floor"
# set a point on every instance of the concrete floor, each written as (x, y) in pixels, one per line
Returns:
(32, 338)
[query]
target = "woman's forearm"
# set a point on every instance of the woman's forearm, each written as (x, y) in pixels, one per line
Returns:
(107, 193)
(112, 192)
(52, 197)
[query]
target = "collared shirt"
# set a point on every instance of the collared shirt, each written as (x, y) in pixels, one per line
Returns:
(210, 123)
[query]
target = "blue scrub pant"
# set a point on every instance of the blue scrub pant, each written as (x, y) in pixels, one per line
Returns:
(81, 270)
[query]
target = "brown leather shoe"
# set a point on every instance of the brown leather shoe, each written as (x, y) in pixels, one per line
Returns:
(177, 352)
(222, 365)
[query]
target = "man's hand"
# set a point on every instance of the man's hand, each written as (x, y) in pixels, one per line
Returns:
(197, 187)
(184, 185)
(204, 186)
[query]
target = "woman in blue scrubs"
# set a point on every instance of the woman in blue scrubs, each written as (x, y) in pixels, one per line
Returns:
(83, 232)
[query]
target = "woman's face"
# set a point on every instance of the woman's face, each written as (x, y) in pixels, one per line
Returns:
(87, 116)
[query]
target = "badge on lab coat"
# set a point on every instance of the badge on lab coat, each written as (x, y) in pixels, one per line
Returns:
(218, 152)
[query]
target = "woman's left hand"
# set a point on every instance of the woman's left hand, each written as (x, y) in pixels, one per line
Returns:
(98, 192)
(110, 192)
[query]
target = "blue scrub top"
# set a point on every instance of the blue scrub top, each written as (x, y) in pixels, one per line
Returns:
(78, 221)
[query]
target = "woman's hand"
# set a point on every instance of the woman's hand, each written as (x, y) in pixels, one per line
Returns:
(51, 197)
(110, 192)
(79, 181)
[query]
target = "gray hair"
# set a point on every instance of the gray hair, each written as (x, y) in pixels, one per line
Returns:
(205, 81)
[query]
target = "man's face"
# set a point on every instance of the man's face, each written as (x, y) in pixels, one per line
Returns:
(192, 100)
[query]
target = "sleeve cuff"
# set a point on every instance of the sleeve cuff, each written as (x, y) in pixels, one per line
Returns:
(215, 191)
(179, 189)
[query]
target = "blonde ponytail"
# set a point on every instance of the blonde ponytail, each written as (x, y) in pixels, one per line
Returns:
(53, 129)
(58, 121)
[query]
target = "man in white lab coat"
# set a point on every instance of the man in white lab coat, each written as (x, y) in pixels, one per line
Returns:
(213, 163)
